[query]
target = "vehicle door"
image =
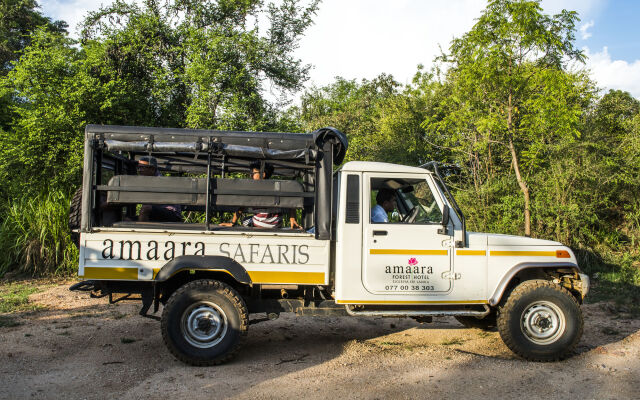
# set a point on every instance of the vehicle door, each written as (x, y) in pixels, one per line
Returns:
(411, 254)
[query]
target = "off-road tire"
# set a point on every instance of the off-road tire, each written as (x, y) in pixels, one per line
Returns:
(540, 297)
(487, 323)
(187, 300)
(75, 215)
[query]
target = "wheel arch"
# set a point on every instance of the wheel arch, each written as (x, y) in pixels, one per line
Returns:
(183, 269)
(531, 270)
(204, 263)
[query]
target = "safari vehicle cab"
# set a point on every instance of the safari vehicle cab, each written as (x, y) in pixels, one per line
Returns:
(209, 278)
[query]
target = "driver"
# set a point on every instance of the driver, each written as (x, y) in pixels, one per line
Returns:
(386, 199)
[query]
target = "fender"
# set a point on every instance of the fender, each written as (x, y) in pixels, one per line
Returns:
(204, 263)
(502, 286)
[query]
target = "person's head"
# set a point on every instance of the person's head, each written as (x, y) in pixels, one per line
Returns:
(255, 171)
(386, 198)
(147, 165)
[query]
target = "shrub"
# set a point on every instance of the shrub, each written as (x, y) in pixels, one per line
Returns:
(35, 237)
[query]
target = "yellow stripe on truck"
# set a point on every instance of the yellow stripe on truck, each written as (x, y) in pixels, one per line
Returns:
(111, 273)
(471, 253)
(410, 252)
(256, 276)
(286, 277)
(523, 253)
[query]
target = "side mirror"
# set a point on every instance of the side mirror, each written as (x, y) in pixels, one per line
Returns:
(445, 216)
(445, 221)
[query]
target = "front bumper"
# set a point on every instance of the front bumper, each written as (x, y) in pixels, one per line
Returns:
(584, 284)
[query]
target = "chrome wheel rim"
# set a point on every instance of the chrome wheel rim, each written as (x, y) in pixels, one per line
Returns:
(204, 324)
(543, 322)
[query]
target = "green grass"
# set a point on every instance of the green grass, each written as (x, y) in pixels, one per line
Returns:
(452, 342)
(14, 297)
(34, 235)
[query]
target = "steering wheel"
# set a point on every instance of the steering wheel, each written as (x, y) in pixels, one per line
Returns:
(411, 215)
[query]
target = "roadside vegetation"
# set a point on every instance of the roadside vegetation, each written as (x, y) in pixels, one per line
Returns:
(538, 150)
(14, 298)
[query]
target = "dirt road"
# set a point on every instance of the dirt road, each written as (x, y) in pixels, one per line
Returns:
(83, 348)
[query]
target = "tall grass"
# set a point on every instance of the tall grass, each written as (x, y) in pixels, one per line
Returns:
(34, 236)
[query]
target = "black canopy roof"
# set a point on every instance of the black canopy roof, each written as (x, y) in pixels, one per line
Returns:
(245, 145)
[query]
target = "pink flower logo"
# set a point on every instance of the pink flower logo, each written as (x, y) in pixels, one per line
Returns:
(412, 261)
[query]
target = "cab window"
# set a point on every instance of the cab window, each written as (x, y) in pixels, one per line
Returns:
(408, 201)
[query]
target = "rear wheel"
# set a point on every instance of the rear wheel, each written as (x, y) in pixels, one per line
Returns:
(540, 321)
(203, 322)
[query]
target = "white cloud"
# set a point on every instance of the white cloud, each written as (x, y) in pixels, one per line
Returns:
(614, 74)
(363, 38)
(71, 11)
(584, 30)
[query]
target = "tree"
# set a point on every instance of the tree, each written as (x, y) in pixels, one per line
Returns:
(206, 63)
(613, 114)
(509, 93)
(381, 119)
(189, 63)
(18, 18)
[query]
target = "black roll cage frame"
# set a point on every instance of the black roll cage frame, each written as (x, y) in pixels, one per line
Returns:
(310, 156)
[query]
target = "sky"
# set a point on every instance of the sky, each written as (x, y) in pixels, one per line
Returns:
(358, 39)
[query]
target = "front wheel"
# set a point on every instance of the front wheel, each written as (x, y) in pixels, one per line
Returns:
(540, 321)
(203, 322)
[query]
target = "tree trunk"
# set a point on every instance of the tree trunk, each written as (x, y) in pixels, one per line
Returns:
(516, 167)
(523, 188)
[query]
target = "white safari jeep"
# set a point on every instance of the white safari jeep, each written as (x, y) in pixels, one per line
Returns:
(210, 278)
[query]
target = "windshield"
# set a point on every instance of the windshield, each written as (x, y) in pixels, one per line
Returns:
(449, 197)
(421, 197)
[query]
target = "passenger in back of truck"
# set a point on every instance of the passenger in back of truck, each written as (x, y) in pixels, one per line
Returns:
(262, 219)
(148, 166)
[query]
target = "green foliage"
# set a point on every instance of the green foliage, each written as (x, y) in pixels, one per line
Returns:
(17, 19)
(508, 95)
(35, 238)
(43, 146)
(205, 64)
(381, 120)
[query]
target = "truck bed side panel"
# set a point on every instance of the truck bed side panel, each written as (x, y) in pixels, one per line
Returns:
(268, 258)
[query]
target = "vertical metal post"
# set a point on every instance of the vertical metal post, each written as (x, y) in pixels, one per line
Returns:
(97, 196)
(87, 182)
(207, 206)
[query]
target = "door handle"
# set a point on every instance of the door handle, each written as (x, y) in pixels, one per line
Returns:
(379, 233)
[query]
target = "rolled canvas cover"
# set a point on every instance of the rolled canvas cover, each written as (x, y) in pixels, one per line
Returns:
(192, 192)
